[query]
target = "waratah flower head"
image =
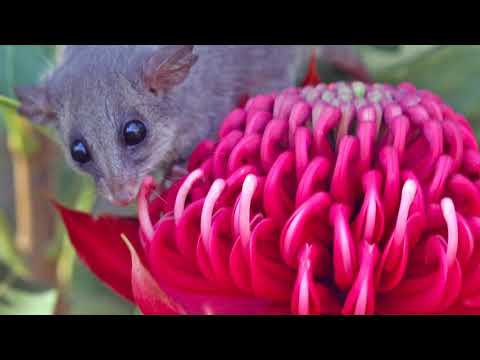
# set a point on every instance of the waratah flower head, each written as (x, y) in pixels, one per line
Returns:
(340, 198)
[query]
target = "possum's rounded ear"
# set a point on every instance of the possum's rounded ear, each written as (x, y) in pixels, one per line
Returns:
(168, 67)
(34, 104)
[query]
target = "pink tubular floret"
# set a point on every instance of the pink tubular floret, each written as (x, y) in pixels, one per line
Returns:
(344, 198)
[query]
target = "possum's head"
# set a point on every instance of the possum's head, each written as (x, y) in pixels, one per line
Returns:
(113, 110)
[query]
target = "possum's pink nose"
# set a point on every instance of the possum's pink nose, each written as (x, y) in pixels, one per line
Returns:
(123, 193)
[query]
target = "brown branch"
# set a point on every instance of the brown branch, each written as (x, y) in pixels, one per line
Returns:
(35, 221)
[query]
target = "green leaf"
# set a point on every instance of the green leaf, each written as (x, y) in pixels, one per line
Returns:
(23, 65)
(25, 303)
(89, 296)
(390, 48)
(451, 71)
(20, 133)
(22, 297)
(378, 60)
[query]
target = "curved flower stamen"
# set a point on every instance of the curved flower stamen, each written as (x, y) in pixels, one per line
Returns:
(249, 187)
(314, 180)
(143, 209)
(361, 299)
(298, 228)
(310, 296)
(235, 121)
(394, 258)
(448, 210)
(344, 252)
(369, 224)
(207, 212)
(300, 114)
(183, 193)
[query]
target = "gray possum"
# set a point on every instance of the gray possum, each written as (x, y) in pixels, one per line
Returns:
(125, 111)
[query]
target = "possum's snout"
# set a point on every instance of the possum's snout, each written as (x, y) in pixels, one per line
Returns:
(122, 193)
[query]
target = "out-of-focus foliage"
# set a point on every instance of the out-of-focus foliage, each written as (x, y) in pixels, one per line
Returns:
(8, 255)
(23, 65)
(452, 71)
(20, 133)
(18, 296)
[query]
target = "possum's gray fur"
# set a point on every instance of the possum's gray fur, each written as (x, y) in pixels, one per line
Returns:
(95, 90)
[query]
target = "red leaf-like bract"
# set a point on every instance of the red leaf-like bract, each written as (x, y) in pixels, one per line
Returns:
(98, 243)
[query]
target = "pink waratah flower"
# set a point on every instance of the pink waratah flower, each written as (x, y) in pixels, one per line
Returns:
(340, 198)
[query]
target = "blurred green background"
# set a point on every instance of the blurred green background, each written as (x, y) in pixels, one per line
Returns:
(39, 272)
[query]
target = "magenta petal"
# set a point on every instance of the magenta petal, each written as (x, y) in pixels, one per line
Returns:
(239, 267)
(453, 287)
(277, 200)
(314, 179)
(170, 197)
(466, 241)
(286, 105)
(235, 121)
(391, 189)
(361, 297)
(298, 117)
(221, 246)
(433, 108)
(188, 230)
(348, 113)
(203, 151)
(302, 144)
(310, 296)
(222, 153)
(257, 123)
(234, 184)
(169, 266)
(369, 223)
(471, 162)
(366, 133)
(345, 264)
(190, 290)
(262, 103)
(343, 184)
(454, 140)
(423, 154)
(471, 272)
(420, 294)
(274, 142)
(465, 195)
(468, 137)
(271, 278)
(470, 308)
(400, 127)
(324, 121)
(246, 151)
(387, 279)
(443, 170)
(298, 229)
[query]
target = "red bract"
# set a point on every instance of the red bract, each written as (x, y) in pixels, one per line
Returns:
(329, 199)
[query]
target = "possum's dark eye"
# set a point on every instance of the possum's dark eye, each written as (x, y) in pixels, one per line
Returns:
(134, 132)
(79, 151)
